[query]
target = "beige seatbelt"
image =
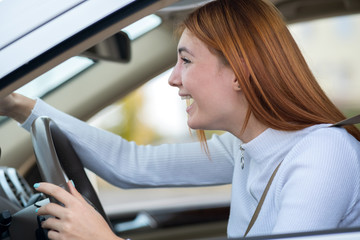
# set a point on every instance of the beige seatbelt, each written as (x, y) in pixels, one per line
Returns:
(262, 199)
(348, 121)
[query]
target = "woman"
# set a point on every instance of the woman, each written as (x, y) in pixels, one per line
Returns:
(245, 74)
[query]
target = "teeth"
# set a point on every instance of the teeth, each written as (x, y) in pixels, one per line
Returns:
(189, 101)
(185, 97)
(188, 98)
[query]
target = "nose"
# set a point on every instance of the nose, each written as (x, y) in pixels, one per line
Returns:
(175, 79)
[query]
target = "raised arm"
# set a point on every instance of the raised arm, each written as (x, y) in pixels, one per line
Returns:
(16, 106)
(129, 165)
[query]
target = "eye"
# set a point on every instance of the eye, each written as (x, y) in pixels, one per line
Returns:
(185, 60)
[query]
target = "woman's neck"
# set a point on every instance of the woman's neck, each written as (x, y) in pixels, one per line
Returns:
(253, 129)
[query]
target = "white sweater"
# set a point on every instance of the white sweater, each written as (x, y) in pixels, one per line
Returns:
(316, 188)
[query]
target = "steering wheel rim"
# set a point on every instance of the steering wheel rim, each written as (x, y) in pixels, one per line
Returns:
(57, 161)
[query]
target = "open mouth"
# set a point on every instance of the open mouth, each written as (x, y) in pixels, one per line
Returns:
(189, 100)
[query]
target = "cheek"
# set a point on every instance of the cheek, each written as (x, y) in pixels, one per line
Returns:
(197, 77)
(189, 79)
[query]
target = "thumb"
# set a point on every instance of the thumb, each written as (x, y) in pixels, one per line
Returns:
(74, 191)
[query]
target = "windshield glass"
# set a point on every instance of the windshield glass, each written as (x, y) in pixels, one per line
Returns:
(62, 73)
(52, 79)
(55, 77)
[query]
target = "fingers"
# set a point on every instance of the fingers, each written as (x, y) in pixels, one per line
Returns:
(76, 193)
(75, 220)
(57, 192)
(52, 223)
(53, 234)
(73, 190)
(52, 209)
(54, 226)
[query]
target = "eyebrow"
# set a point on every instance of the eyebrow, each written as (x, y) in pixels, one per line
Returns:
(184, 49)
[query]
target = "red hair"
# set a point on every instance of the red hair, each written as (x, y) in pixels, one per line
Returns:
(281, 91)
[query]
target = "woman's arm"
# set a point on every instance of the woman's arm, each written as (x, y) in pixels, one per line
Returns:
(129, 165)
(17, 107)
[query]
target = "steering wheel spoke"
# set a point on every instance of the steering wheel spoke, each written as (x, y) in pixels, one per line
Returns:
(58, 162)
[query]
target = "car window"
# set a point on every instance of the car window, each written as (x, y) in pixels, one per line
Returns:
(54, 78)
(65, 71)
(331, 47)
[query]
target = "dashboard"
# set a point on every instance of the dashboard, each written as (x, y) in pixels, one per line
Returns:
(17, 206)
(15, 189)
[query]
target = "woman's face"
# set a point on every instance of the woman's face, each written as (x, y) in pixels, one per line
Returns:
(200, 75)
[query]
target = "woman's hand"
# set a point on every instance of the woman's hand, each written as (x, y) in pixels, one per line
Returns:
(16, 106)
(76, 219)
(6, 104)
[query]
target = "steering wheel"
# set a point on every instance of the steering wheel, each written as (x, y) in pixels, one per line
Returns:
(57, 161)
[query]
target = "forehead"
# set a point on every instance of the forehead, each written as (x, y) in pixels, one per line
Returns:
(191, 44)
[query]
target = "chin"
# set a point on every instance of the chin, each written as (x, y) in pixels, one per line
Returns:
(192, 125)
(196, 125)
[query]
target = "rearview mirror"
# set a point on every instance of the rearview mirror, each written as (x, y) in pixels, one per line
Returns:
(115, 48)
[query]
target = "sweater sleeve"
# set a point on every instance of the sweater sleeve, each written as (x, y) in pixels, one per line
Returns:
(319, 182)
(128, 165)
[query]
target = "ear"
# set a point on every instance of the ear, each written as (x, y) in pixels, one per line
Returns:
(236, 85)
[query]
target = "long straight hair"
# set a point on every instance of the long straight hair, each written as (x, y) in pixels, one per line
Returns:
(281, 91)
